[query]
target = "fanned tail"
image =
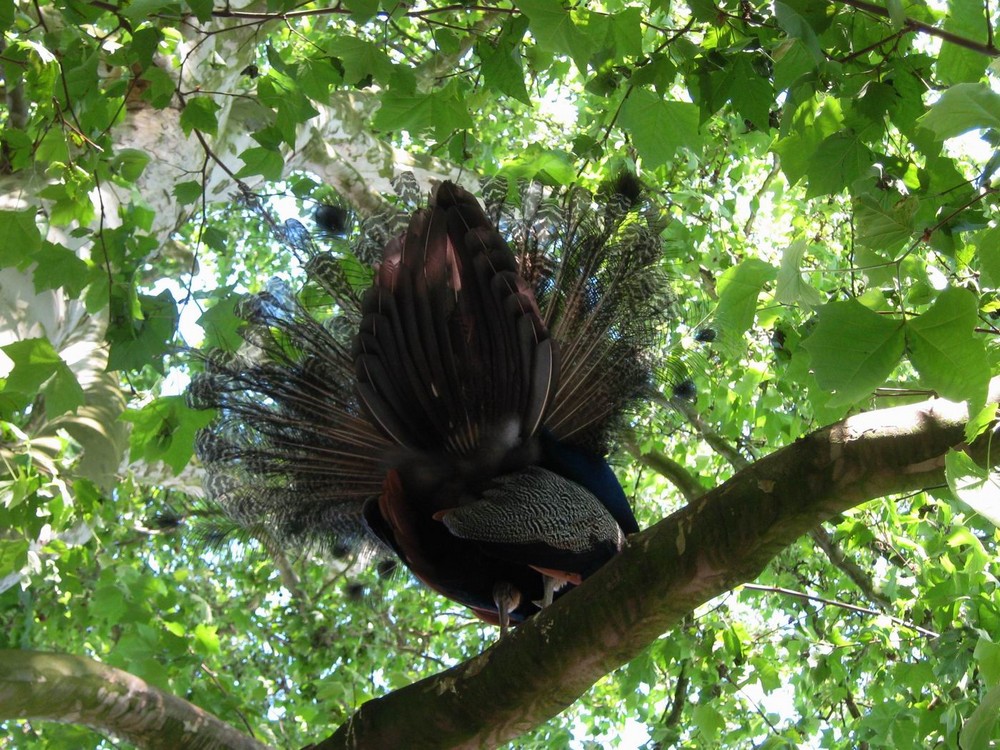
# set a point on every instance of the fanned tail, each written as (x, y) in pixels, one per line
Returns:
(290, 450)
(458, 410)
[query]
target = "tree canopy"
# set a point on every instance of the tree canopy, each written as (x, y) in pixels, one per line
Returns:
(826, 573)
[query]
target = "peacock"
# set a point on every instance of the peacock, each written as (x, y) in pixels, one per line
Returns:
(455, 410)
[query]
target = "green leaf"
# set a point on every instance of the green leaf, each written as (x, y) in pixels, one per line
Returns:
(962, 108)
(502, 70)
(38, 368)
(792, 288)
(837, 162)
(625, 33)
(19, 237)
(853, 350)
(263, 161)
(6, 22)
(292, 108)
(188, 191)
(144, 338)
(130, 163)
(202, 9)
(811, 124)
(143, 46)
(13, 552)
(361, 59)
(221, 325)
(792, 61)
(973, 485)
(162, 87)
(978, 731)
(897, 14)
(751, 93)
(317, 77)
(979, 423)
(708, 720)
(140, 10)
(546, 165)
(657, 127)
(801, 26)
(444, 110)
(987, 245)
(956, 63)
(215, 238)
(207, 638)
(363, 10)
(945, 350)
(199, 113)
(553, 27)
(884, 224)
(164, 430)
(57, 266)
(987, 655)
(52, 149)
(739, 288)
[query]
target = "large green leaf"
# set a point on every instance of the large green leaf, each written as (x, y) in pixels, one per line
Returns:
(443, 111)
(554, 29)
(962, 108)
(361, 59)
(739, 288)
(657, 127)
(838, 161)
(200, 113)
(19, 237)
(502, 68)
(885, 222)
(792, 289)
(975, 486)
(956, 63)
(945, 350)
(146, 338)
(979, 730)
(39, 368)
(812, 122)
(853, 350)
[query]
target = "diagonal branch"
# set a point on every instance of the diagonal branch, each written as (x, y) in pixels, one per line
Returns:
(912, 24)
(61, 687)
(724, 538)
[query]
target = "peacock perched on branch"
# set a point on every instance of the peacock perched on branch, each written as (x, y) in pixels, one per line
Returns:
(458, 411)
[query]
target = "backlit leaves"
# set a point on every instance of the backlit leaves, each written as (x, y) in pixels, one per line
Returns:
(659, 128)
(853, 350)
(945, 351)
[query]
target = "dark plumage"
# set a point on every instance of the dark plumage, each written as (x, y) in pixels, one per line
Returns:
(332, 220)
(459, 410)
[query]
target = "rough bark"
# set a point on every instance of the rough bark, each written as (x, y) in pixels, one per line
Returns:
(77, 690)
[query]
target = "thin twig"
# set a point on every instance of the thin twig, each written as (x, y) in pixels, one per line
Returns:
(842, 605)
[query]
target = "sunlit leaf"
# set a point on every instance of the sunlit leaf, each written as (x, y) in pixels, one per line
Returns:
(945, 350)
(975, 486)
(853, 350)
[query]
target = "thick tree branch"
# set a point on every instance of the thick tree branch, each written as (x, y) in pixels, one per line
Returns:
(724, 538)
(61, 687)
(822, 538)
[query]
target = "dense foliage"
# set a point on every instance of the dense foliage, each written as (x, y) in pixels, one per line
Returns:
(828, 173)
